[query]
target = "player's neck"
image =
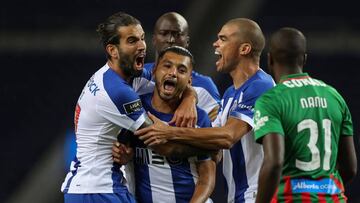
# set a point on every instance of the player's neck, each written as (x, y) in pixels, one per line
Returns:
(285, 70)
(164, 106)
(118, 70)
(243, 72)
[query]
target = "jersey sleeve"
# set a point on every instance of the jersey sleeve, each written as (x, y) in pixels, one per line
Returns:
(144, 83)
(203, 119)
(208, 94)
(243, 109)
(267, 117)
(122, 107)
(217, 121)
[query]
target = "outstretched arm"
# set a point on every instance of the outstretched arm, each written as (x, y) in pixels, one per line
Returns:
(179, 150)
(270, 172)
(346, 162)
(206, 138)
(206, 181)
(122, 152)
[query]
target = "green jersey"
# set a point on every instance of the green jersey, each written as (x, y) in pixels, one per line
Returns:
(311, 116)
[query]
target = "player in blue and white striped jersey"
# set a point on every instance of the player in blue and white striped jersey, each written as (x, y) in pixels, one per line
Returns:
(106, 106)
(171, 172)
(239, 46)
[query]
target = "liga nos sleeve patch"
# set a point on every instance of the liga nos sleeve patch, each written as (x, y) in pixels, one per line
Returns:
(133, 106)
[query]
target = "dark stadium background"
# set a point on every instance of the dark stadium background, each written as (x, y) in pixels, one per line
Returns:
(49, 49)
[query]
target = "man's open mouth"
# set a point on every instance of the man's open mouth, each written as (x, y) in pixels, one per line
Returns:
(217, 53)
(139, 61)
(169, 85)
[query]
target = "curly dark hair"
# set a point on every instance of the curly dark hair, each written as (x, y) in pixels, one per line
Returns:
(108, 30)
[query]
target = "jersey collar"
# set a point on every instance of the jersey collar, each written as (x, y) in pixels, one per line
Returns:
(294, 76)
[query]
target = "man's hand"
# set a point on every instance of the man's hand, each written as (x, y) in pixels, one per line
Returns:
(121, 153)
(186, 114)
(155, 134)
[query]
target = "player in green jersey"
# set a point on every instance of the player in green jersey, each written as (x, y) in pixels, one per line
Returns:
(305, 128)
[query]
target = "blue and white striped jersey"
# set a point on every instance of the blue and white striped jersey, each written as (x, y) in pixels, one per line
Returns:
(162, 179)
(207, 92)
(241, 164)
(106, 105)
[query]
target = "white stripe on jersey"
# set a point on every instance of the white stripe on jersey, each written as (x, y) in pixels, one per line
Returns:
(205, 100)
(228, 173)
(164, 192)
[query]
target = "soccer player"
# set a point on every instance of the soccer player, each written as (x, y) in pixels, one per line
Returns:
(239, 47)
(106, 106)
(172, 29)
(175, 177)
(305, 128)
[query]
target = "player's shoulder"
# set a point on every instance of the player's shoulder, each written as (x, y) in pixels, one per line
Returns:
(117, 88)
(229, 90)
(146, 100)
(149, 66)
(258, 87)
(263, 81)
(272, 94)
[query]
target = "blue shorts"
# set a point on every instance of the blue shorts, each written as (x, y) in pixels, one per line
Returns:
(125, 197)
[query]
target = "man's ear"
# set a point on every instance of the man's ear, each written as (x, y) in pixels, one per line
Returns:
(154, 69)
(153, 40)
(245, 48)
(112, 50)
(190, 80)
(305, 59)
(270, 60)
(187, 42)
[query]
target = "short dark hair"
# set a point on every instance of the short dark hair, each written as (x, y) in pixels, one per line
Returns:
(108, 30)
(178, 50)
(288, 47)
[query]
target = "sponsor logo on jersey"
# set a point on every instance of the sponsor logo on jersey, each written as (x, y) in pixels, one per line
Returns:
(326, 186)
(133, 106)
(259, 121)
(148, 156)
(239, 105)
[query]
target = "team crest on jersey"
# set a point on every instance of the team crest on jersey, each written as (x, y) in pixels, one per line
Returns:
(133, 106)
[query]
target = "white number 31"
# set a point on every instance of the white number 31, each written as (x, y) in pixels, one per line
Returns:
(315, 154)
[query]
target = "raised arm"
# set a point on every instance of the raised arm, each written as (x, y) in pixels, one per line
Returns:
(176, 149)
(206, 181)
(122, 152)
(179, 150)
